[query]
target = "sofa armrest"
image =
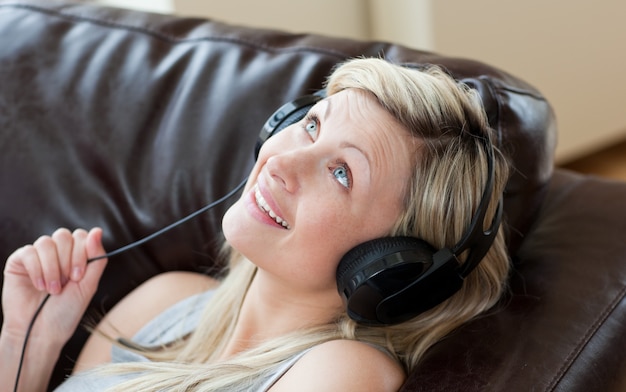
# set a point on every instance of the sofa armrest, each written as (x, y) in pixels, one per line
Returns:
(563, 326)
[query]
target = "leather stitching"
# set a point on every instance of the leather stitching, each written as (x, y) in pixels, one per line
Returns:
(569, 360)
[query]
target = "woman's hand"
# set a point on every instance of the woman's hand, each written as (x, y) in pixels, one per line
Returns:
(55, 265)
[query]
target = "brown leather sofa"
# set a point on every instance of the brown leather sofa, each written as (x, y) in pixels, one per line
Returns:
(129, 121)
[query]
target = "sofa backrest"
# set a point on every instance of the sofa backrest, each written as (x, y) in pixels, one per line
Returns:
(129, 121)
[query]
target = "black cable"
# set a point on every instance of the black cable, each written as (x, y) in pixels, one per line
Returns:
(116, 252)
(30, 327)
(173, 225)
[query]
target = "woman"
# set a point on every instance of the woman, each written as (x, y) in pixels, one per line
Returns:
(391, 151)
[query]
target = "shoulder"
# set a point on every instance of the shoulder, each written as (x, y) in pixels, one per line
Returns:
(342, 365)
(139, 307)
(154, 296)
(171, 287)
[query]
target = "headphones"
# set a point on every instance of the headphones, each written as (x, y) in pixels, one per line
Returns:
(389, 280)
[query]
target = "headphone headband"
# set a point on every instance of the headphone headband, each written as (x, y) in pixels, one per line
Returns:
(476, 239)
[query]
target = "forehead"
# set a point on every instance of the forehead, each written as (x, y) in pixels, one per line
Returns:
(356, 118)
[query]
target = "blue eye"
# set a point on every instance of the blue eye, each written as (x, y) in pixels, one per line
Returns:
(311, 126)
(342, 174)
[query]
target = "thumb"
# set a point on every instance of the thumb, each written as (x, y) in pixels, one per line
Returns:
(95, 251)
(93, 244)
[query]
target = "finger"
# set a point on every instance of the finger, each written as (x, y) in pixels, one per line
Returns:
(79, 255)
(94, 246)
(27, 259)
(64, 243)
(94, 249)
(49, 261)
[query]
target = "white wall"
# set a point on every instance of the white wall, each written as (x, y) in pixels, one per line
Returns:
(572, 50)
(407, 22)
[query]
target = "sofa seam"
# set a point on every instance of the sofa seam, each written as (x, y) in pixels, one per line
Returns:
(176, 40)
(173, 39)
(569, 360)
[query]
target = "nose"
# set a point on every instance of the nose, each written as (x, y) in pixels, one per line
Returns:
(290, 169)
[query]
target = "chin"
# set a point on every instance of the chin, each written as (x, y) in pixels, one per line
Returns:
(236, 231)
(229, 221)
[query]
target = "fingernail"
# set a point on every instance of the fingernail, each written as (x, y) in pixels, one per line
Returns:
(77, 273)
(40, 285)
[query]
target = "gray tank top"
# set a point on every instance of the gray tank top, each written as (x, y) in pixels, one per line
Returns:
(175, 322)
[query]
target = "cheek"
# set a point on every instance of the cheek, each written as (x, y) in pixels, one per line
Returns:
(327, 237)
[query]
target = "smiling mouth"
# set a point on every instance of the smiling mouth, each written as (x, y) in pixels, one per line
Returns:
(262, 204)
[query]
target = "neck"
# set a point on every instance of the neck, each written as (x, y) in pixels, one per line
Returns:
(271, 310)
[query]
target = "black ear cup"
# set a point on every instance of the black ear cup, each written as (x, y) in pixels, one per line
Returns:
(389, 280)
(289, 113)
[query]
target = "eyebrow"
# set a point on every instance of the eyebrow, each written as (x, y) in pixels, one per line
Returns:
(346, 144)
(350, 145)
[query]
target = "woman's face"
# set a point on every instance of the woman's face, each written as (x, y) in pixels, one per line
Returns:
(320, 187)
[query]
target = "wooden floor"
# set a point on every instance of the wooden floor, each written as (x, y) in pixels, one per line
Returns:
(609, 163)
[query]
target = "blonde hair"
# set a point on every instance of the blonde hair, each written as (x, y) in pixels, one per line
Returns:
(450, 171)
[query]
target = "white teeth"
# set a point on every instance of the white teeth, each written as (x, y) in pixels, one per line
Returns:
(260, 201)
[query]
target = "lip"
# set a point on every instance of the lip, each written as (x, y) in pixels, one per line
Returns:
(257, 212)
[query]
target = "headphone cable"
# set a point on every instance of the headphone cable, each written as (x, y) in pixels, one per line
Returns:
(116, 252)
